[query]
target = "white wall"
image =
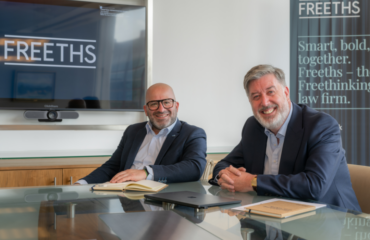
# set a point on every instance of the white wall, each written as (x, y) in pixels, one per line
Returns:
(63, 143)
(202, 48)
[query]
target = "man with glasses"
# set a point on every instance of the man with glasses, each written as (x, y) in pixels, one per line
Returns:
(163, 149)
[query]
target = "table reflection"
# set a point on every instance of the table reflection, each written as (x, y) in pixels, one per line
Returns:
(73, 212)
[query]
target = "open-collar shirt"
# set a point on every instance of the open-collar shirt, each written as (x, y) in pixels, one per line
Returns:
(274, 149)
(150, 148)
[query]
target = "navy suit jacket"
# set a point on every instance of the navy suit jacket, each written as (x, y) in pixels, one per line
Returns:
(313, 165)
(181, 158)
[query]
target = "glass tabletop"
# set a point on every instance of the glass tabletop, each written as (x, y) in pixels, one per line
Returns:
(76, 212)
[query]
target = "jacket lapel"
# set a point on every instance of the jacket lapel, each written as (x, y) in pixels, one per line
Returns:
(292, 142)
(258, 144)
(169, 140)
(139, 138)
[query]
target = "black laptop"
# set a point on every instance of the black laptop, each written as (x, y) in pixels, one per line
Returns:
(191, 199)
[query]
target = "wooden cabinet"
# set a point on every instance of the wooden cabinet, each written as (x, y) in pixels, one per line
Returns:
(28, 178)
(44, 177)
(75, 174)
(41, 172)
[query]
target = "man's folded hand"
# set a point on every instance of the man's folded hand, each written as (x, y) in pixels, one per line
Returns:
(235, 179)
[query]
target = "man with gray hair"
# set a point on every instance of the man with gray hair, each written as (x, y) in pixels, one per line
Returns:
(287, 149)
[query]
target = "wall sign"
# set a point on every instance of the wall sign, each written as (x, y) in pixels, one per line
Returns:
(330, 66)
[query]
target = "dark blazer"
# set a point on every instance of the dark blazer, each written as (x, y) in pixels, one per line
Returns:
(312, 165)
(181, 158)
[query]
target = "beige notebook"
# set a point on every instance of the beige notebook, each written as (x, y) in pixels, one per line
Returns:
(280, 209)
(143, 186)
(280, 220)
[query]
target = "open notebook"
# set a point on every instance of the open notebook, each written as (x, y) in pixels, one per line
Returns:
(143, 186)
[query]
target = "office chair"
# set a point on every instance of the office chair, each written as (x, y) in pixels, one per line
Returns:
(360, 178)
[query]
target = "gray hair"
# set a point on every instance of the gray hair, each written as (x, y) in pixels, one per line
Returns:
(261, 70)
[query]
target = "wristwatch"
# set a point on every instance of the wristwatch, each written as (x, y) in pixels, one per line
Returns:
(254, 183)
(217, 178)
(146, 171)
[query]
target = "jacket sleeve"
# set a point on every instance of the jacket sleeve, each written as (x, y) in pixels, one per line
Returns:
(234, 158)
(324, 156)
(190, 163)
(111, 167)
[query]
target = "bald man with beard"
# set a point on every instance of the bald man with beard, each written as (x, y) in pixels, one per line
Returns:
(163, 149)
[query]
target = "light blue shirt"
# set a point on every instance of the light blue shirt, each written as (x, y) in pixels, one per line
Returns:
(149, 149)
(273, 149)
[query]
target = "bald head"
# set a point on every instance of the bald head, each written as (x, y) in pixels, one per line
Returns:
(159, 91)
(164, 115)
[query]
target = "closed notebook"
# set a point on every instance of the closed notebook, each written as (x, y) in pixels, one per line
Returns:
(280, 209)
(280, 220)
(143, 186)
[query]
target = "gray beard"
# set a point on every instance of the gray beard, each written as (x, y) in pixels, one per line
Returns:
(162, 127)
(278, 121)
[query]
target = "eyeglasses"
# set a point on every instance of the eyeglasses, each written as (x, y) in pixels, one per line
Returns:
(166, 103)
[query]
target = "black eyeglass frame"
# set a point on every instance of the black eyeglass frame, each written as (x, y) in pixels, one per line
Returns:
(160, 102)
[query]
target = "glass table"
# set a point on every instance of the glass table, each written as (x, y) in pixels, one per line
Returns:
(75, 212)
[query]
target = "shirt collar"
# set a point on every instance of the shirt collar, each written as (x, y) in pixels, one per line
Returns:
(164, 131)
(282, 130)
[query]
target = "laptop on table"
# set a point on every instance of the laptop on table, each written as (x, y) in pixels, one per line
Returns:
(191, 199)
